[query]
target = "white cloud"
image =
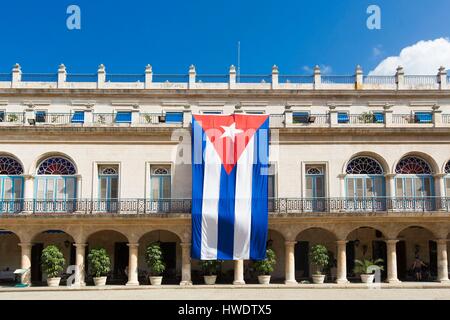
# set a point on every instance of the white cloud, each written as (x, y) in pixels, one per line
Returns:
(424, 57)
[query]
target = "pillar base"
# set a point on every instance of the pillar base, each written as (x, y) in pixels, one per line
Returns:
(238, 282)
(393, 281)
(342, 281)
(292, 282)
(186, 283)
(446, 281)
(132, 283)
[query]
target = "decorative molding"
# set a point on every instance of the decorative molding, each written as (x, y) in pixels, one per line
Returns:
(3, 102)
(422, 103)
(299, 103)
(125, 103)
(254, 103)
(36, 102)
(211, 103)
(340, 104)
(379, 103)
(174, 103)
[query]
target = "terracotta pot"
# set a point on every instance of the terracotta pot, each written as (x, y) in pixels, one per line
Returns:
(318, 278)
(264, 279)
(100, 281)
(210, 280)
(53, 282)
(367, 278)
(155, 281)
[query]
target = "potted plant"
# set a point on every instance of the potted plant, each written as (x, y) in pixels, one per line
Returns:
(366, 268)
(52, 261)
(99, 265)
(320, 258)
(12, 118)
(210, 269)
(154, 259)
(366, 117)
(148, 118)
(265, 267)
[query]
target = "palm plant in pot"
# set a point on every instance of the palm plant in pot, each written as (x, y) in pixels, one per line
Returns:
(366, 269)
(100, 265)
(320, 258)
(265, 267)
(210, 269)
(155, 262)
(52, 261)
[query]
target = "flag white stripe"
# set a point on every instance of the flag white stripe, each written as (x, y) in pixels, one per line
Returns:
(243, 203)
(210, 204)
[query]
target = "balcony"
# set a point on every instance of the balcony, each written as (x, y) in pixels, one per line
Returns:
(324, 206)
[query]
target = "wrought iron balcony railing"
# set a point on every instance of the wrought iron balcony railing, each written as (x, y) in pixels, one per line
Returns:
(276, 206)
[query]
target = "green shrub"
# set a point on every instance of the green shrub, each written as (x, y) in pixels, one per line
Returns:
(154, 259)
(266, 266)
(210, 267)
(319, 257)
(52, 261)
(363, 266)
(99, 262)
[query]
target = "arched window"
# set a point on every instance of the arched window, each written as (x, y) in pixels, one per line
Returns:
(413, 183)
(365, 184)
(160, 187)
(10, 166)
(413, 165)
(364, 165)
(56, 166)
(108, 180)
(11, 184)
(56, 184)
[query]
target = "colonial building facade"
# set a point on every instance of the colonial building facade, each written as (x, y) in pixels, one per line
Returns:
(360, 164)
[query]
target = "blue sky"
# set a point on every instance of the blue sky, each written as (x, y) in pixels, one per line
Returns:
(171, 35)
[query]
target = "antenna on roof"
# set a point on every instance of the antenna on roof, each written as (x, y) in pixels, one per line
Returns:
(238, 61)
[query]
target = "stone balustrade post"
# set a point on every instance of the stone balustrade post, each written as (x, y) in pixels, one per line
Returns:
(62, 75)
(101, 76)
(16, 76)
(232, 77)
(275, 74)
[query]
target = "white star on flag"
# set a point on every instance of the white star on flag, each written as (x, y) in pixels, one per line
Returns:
(230, 131)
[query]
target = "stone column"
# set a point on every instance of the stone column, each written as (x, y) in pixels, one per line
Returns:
(238, 272)
(289, 262)
(79, 261)
(442, 260)
(26, 261)
(133, 264)
(341, 262)
(392, 261)
(185, 264)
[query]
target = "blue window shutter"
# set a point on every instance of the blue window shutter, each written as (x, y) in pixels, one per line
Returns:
(78, 117)
(379, 117)
(123, 117)
(174, 117)
(40, 116)
(424, 117)
(2, 116)
(300, 117)
(343, 117)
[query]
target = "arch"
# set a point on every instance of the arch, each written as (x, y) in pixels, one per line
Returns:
(374, 227)
(318, 228)
(35, 165)
(418, 226)
(179, 237)
(110, 229)
(364, 165)
(10, 165)
(432, 164)
(37, 233)
(367, 154)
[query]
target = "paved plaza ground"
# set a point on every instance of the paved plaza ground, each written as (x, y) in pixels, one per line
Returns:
(405, 291)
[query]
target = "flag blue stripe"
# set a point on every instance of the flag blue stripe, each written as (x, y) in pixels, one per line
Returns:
(225, 243)
(259, 227)
(197, 191)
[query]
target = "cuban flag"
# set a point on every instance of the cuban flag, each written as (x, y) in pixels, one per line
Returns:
(229, 186)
